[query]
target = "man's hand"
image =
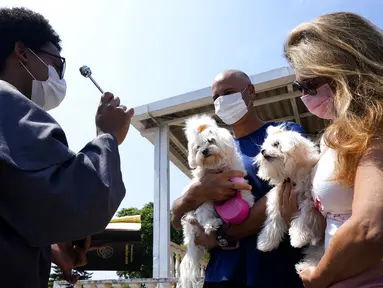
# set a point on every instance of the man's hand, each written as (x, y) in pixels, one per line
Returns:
(288, 201)
(214, 186)
(113, 118)
(218, 187)
(66, 257)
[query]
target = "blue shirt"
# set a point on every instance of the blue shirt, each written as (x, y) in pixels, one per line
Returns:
(247, 265)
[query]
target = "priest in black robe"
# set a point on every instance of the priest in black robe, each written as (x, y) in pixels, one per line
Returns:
(48, 194)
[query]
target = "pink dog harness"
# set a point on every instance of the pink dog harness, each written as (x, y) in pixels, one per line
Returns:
(235, 209)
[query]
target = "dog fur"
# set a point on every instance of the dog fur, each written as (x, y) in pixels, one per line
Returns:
(289, 155)
(209, 148)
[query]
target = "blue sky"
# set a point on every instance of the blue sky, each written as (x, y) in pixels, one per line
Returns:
(144, 51)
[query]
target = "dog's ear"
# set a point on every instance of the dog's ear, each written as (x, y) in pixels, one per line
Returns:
(271, 130)
(304, 151)
(225, 137)
(261, 173)
(191, 158)
(311, 151)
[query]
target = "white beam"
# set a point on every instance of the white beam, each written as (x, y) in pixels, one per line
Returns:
(177, 159)
(181, 120)
(161, 217)
(293, 102)
(202, 97)
(177, 142)
(173, 138)
(259, 102)
(289, 118)
(277, 98)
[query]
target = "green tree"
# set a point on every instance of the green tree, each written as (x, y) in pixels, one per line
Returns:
(147, 240)
(56, 275)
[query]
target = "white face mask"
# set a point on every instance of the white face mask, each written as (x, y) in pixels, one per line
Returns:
(50, 93)
(230, 108)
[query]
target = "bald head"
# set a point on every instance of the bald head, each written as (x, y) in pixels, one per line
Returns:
(232, 75)
(232, 81)
(243, 120)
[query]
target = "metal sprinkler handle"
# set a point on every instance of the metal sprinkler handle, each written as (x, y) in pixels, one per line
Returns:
(87, 73)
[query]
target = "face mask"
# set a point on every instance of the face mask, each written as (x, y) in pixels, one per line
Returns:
(50, 93)
(321, 104)
(230, 108)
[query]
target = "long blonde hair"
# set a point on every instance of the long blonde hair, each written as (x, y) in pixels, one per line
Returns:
(347, 49)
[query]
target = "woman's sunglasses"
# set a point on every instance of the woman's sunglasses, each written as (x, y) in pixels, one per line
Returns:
(310, 86)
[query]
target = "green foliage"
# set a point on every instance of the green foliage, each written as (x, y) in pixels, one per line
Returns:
(147, 240)
(56, 275)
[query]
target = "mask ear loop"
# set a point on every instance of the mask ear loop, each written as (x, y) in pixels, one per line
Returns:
(29, 72)
(38, 57)
(251, 101)
(26, 69)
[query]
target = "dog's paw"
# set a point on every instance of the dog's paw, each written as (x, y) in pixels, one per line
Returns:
(301, 266)
(297, 238)
(212, 225)
(266, 243)
(248, 197)
(316, 240)
(188, 218)
(266, 246)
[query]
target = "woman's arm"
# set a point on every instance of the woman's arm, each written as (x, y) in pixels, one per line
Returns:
(358, 244)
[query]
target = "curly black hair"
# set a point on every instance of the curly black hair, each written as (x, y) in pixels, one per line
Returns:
(26, 26)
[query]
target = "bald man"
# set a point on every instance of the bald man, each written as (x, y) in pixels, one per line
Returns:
(236, 262)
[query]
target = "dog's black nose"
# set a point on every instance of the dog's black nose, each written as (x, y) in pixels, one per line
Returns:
(205, 152)
(263, 151)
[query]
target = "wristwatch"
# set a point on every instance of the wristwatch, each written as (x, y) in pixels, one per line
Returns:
(222, 238)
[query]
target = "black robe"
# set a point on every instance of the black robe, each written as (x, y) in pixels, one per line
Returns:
(48, 193)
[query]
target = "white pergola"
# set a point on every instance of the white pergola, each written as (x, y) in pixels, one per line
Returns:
(161, 122)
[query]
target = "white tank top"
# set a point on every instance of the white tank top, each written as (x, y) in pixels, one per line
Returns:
(334, 200)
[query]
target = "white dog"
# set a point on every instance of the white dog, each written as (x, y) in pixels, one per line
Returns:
(289, 155)
(209, 148)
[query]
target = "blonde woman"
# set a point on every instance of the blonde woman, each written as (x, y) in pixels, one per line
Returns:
(338, 60)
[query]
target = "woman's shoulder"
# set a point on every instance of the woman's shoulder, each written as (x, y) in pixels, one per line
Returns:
(322, 144)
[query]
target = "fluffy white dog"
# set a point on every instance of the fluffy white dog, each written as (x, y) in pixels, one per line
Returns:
(289, 155)
(209, 148)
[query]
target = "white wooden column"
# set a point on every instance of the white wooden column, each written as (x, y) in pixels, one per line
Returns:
(161, 221)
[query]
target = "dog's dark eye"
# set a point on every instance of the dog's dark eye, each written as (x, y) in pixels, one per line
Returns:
(210, 141)
(276, 144)
(197, 147)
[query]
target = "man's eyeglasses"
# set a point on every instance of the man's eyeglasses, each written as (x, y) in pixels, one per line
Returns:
(62, 59)
(310, 86)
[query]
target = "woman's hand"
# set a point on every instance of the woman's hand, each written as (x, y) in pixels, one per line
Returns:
(309, 281)
(305, 276)
(288, 201)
